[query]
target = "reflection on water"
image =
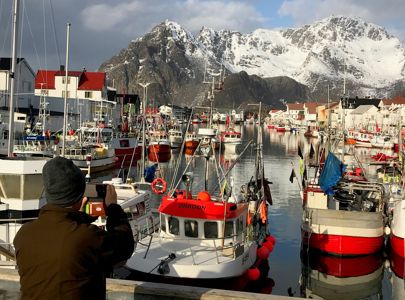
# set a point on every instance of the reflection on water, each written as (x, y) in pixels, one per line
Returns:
(288, 274)
(331, 277)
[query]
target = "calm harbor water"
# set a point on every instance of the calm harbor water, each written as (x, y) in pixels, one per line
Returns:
(292, 271)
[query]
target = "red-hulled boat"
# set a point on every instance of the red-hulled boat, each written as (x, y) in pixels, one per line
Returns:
(126, 149)
(397, 236)
(347, 222)
(159, 149)
(191, 142)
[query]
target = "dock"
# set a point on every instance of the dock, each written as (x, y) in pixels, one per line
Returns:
(118, 289)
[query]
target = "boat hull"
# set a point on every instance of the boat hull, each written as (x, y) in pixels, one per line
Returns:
(343, 233)
(159, 152)
(398, 229)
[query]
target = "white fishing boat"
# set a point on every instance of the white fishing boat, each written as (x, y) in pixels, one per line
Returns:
(343, 214)
(206, 236)
(175, 137)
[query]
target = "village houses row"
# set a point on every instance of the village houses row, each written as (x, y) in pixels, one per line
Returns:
(375, 115)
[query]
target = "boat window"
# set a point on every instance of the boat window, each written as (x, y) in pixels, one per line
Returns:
(163, 222)
(174, 226)
(228, 228)
(211, 230)
(124, 143)
(191, 228)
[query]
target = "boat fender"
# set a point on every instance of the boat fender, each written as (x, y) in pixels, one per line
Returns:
(387, 230)
(159, 186)
(253, 273)
(270, 239)
(263, 252)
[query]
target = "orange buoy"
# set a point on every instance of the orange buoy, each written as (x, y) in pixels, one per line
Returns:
(204, 196)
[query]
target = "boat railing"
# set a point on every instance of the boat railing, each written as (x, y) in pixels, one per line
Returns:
(233, 249)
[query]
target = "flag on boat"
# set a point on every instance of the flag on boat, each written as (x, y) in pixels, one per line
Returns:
(331, 173)
(292, 176)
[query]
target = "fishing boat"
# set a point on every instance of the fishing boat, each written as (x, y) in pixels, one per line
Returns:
(397, 273)
(203, 235)
(126, 149)
(397, 227)
(159, 149)
(175, 137)
(331, 277)
(191, 142)
(135, 200)
(342, 213)
(230, 138)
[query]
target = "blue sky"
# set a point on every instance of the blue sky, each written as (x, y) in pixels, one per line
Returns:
(101, 28)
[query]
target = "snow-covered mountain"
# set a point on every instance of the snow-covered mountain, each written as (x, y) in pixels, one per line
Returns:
(318, 55)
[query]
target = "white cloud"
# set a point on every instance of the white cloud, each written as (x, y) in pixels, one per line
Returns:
(388, 13)
(137, 16)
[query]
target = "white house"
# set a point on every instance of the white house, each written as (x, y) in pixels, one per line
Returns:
(24, 85)
(363, 117)
(86, 95)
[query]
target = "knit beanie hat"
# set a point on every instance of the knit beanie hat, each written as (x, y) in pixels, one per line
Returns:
(64, 182)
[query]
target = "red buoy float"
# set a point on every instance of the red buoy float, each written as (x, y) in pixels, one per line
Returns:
(263, 252)
(253, 273)
(271, 238)
(269, 245)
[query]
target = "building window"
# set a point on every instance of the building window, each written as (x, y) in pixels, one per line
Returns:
(211, 230)
(88, 94)
(67, 95)
(191, 228)
(63, 80)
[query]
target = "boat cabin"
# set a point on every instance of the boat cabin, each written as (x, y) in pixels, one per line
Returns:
(202, 218)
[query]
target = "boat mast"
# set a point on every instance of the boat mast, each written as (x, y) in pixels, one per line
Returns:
(12, 78)
(145, 87)
(66, 90)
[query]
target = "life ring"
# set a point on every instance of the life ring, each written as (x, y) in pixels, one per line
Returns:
(159, 182)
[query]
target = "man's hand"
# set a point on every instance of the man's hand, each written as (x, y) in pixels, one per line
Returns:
(111, 195)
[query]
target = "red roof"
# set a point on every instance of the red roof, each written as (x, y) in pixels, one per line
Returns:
(89, 81)
(311, 106)
(399, 100)
(295, 106)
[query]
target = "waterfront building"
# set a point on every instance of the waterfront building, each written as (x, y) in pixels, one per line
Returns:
(87, 95)
(24, 80)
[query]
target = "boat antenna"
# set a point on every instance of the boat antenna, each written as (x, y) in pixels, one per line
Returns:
(12, 78)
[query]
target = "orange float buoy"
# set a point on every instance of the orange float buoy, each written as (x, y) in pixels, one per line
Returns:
(204, 196)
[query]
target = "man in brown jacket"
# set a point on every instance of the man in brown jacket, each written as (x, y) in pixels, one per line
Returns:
(61, 255)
